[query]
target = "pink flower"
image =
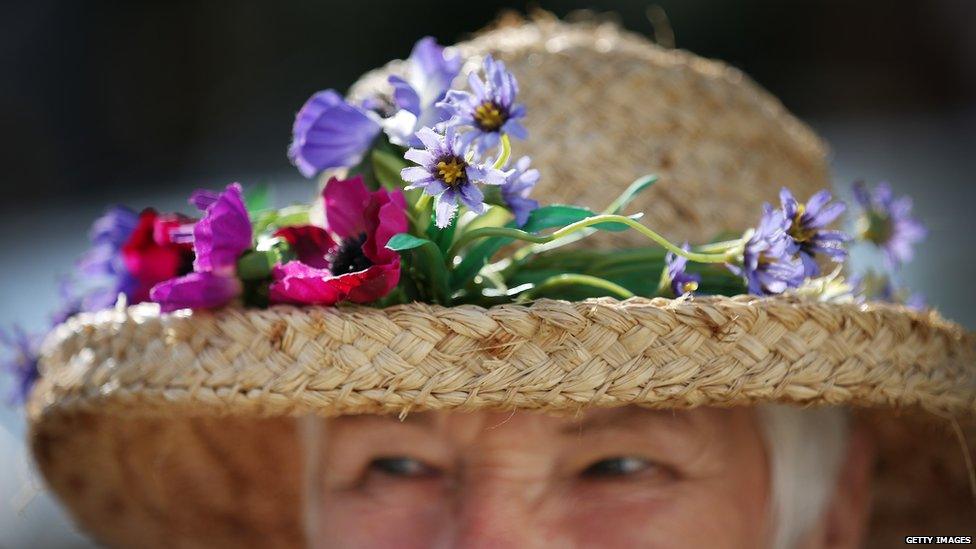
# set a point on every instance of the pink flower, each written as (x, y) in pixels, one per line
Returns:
(348, 261)
(219, 239)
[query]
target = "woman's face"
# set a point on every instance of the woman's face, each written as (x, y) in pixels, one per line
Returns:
(623, 477)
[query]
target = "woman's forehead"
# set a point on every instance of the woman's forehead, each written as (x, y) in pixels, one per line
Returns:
(624, 420)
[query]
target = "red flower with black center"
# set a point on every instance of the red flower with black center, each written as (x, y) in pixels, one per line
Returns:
(348, 260)
(151, 256)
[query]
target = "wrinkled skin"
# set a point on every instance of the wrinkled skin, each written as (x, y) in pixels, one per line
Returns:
(623, 477)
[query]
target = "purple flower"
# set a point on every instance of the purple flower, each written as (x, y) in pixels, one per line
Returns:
(204, 290)
(431, 69)
(219, 239)
(330, 133)
(516, 190)
(680, 281)
(100, 274)
(808, 228)
(23, 352)
(489, 109)
(224, 232)
(446, 174)
(888, 223)
(768, 262)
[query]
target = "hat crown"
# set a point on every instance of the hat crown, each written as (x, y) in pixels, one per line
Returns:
(606, 106)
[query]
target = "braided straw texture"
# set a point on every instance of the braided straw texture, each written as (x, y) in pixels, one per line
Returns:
(172, 430)
(550, 355)
(606, 107)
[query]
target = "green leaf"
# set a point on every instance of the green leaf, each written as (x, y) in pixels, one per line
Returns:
(255, 265)
(275, 219)
(405, 241)
(546, 217)
(423, 264)
(556, 215)
(257, 198)
(475, 259)
(386, 167)
(635, 188)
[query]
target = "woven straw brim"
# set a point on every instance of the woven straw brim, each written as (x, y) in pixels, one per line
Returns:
(126, 391)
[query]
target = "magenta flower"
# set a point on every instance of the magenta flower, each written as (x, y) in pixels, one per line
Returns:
(204, 290)
(224, 232)
(331, 133)
(349, 260)
(219, 239)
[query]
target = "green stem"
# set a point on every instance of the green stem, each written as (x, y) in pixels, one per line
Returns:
(580, 225)
(577, 280)
(505, 153)
(719, 246)
(421, 212)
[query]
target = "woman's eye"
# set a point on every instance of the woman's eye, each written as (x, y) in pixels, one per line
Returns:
(399, 466)
(616, 467)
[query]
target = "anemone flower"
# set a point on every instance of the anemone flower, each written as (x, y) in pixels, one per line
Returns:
(151, 256)
(331, 133)
(489, 110)
(221, 236)
(446, 174)
(430, 70)
(348, 260)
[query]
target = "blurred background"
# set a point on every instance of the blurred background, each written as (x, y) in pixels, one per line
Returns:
(140, 103)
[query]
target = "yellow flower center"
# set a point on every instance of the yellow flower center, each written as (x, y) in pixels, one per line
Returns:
(451, 171)
(488, 116)
(689, 286)
(796, 230)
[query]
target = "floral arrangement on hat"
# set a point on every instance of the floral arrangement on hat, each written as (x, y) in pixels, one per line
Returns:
(422, 201)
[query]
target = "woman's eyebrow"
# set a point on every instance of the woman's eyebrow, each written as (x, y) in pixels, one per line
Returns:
(628, 419)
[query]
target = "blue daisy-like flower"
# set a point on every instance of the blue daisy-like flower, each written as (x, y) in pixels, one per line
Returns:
(489, 110)
(808, 228)
(21, 361)
(517, 188)
(445, 173)
(887, 222)
(769, 264)
(680, 281)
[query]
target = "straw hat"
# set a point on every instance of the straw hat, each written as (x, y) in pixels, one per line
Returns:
(178, 430)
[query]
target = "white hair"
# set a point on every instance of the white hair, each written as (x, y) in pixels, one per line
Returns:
(805, 449)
